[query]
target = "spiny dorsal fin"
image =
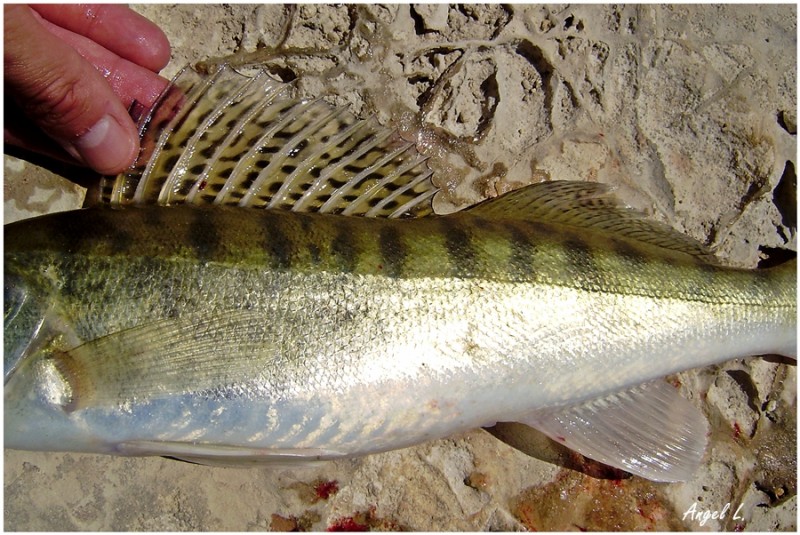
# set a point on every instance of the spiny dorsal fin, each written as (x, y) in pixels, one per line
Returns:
(234, 140)
(587, 205)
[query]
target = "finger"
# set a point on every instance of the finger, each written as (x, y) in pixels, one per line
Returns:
(115, 27)
(21, 132)
(129, 81)
(65, 95)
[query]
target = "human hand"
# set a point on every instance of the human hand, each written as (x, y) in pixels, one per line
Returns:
(73, 71)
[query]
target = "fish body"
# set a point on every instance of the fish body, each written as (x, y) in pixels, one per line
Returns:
(332, 336)
(270, 283)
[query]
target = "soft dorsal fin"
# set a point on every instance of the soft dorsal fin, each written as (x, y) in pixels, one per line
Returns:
(230, 139)
(587, 205)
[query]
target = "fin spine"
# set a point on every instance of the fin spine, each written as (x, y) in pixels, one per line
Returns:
(284, 117)
(174, 175)
(331, 169)
(307, 132)
(167, 132)
(392, 196)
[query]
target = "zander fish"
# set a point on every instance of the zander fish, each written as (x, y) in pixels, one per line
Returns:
(346, 318)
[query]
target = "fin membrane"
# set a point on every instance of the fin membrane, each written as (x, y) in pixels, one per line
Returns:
(234, 140)
(649, 431)
(587, 205)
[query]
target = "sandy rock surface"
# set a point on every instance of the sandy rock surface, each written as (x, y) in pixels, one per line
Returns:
(690, 110)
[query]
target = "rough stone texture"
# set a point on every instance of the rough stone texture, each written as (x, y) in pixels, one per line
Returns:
(691, 110)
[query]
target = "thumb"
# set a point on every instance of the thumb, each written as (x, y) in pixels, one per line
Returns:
(65, 95)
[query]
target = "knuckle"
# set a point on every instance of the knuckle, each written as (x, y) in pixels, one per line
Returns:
(61, 104)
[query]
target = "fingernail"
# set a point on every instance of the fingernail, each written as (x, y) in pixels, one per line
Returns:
(106, 147)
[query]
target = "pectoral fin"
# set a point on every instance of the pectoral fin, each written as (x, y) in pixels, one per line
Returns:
(649, 431)
(177, 355)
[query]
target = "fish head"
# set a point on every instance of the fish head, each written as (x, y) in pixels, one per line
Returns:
(36, 392)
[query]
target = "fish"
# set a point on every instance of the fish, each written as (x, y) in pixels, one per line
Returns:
(270, 284)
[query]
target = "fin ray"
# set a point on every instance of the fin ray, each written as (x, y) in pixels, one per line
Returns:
(649, 430)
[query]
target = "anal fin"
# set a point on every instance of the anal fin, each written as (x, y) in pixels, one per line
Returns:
(648, 430)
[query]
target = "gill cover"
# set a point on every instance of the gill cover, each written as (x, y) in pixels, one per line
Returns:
(24, 320)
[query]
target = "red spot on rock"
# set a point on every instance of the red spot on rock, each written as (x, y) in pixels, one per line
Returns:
(347, 524)
(326, 489)
(737, 431)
